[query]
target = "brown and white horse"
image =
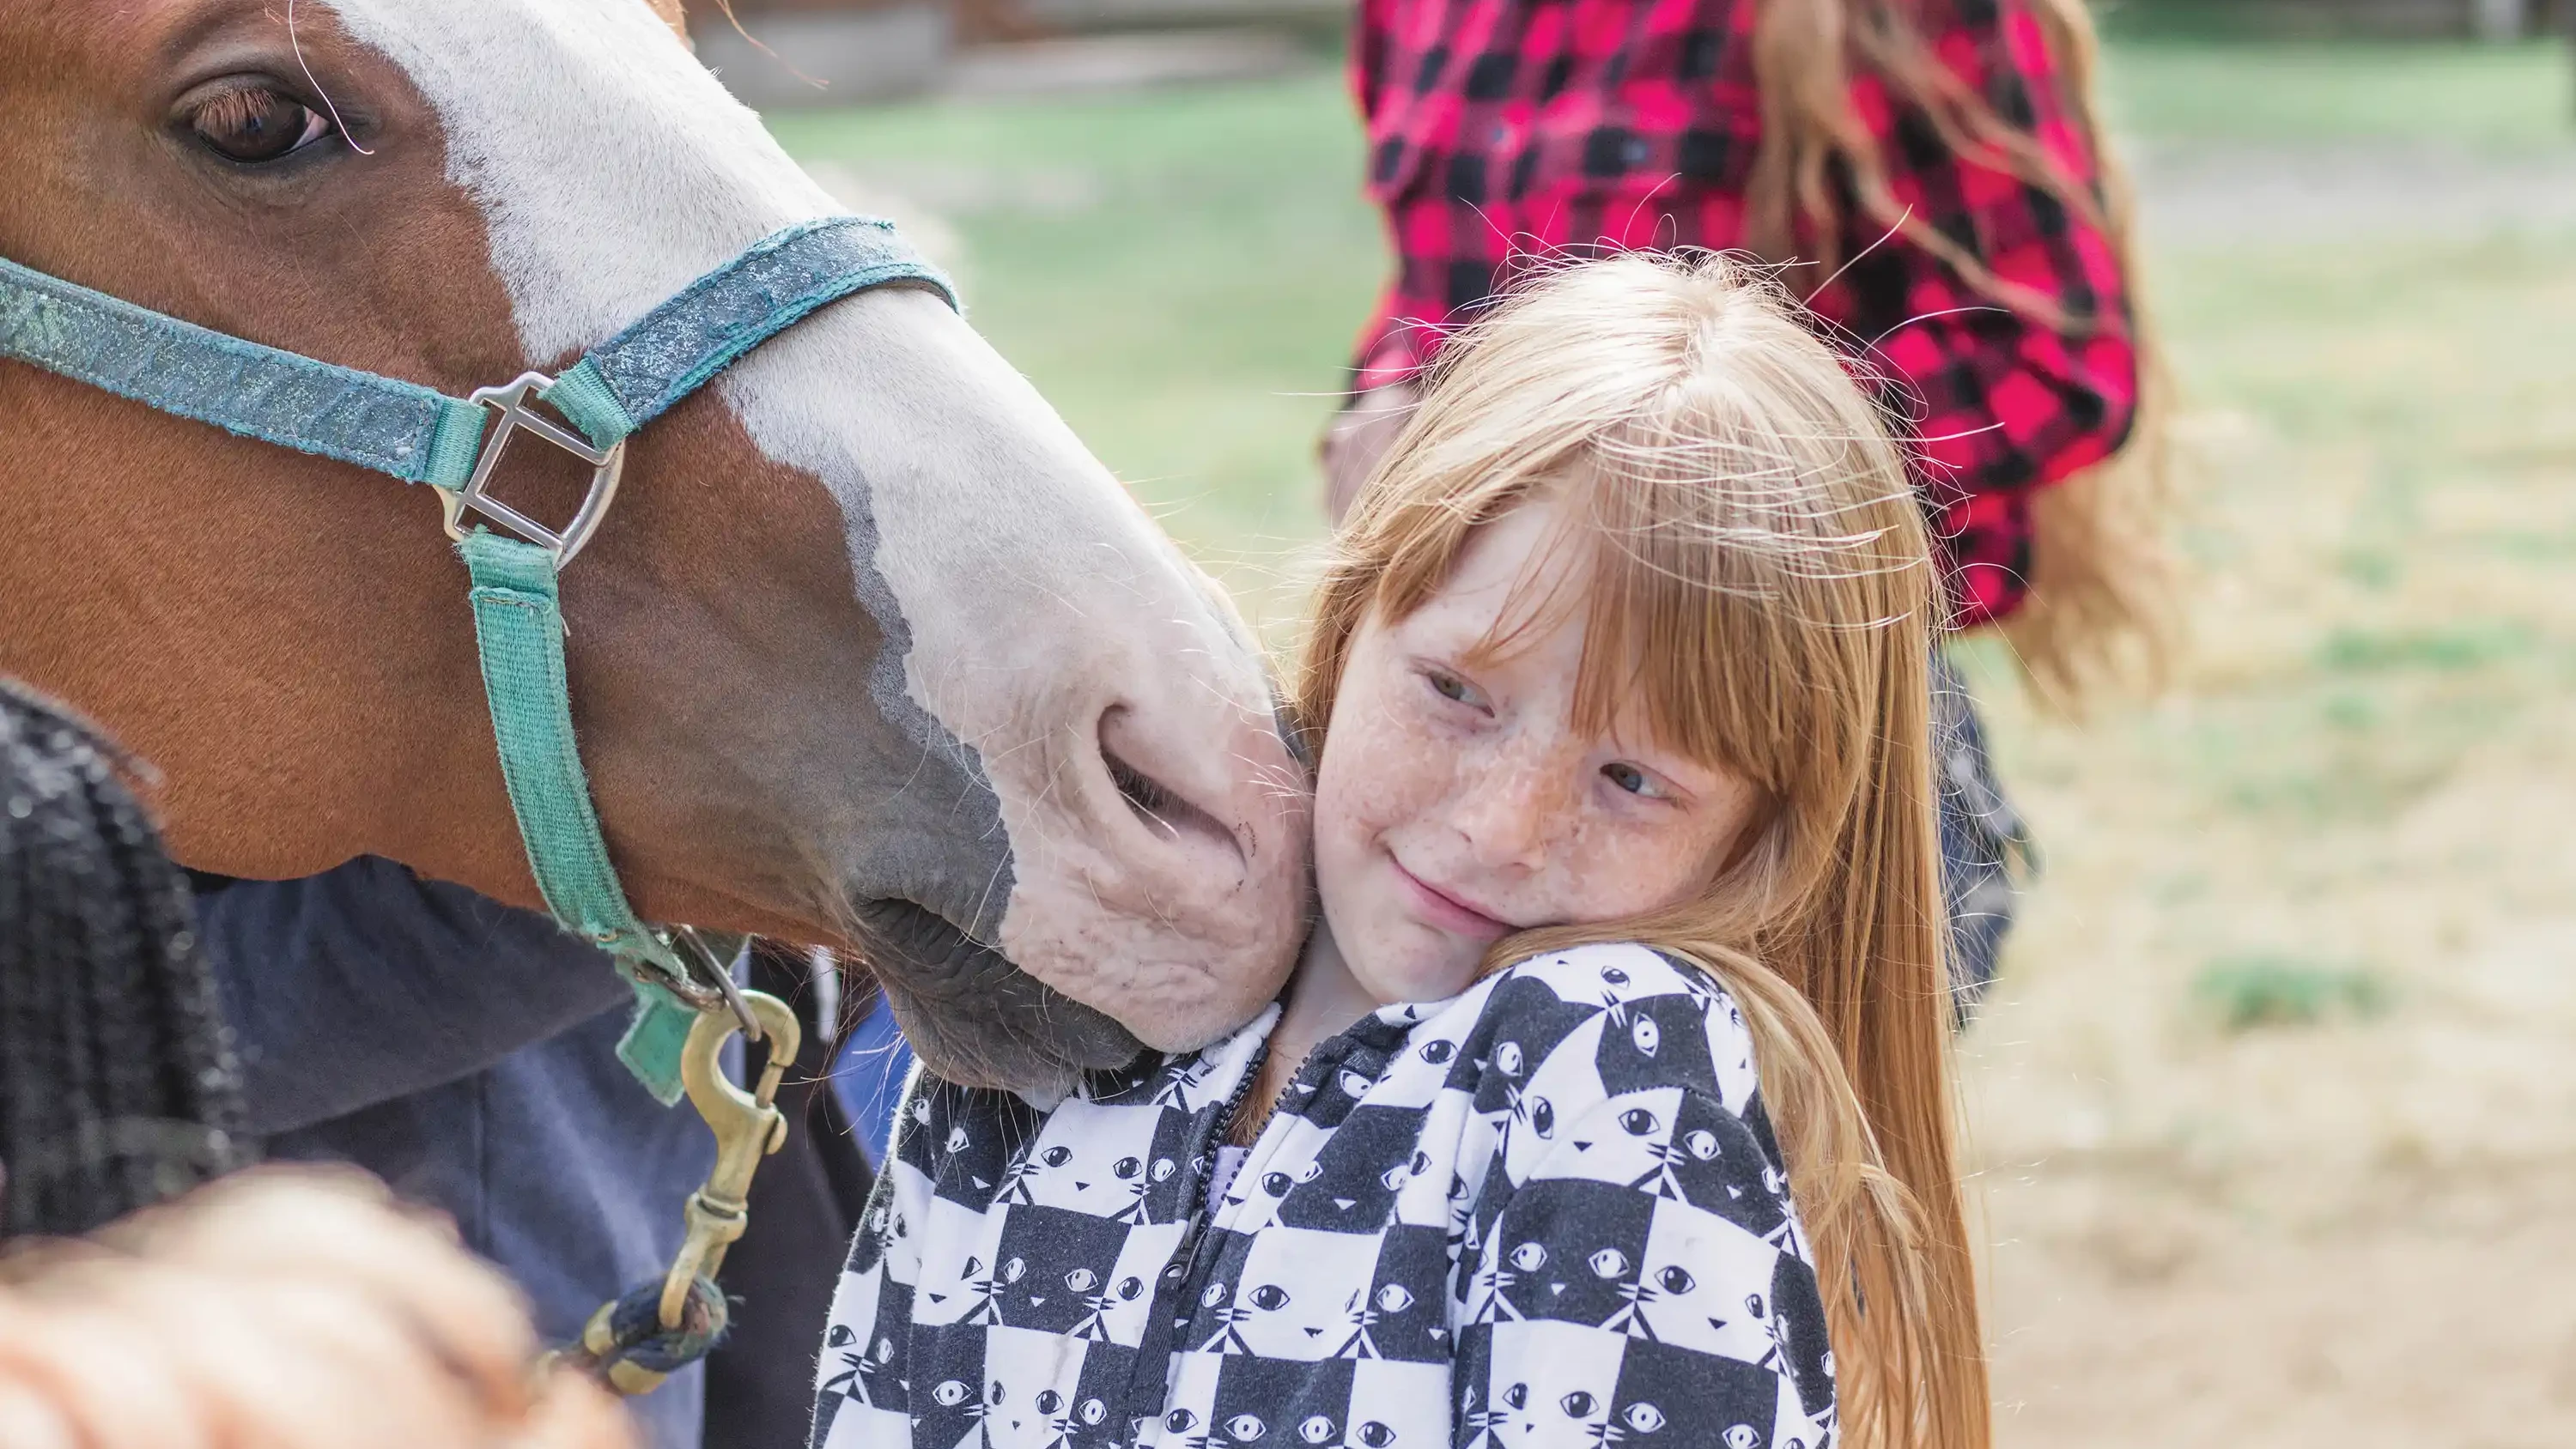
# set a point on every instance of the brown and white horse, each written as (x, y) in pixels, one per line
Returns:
(871, 653)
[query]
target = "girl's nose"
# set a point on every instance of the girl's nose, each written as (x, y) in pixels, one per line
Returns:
(1506, 807)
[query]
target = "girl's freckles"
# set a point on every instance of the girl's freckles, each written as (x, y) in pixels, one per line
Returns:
(1458, 800)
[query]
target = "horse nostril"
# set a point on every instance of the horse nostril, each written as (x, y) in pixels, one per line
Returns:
(1146, 798)
(1163, 811)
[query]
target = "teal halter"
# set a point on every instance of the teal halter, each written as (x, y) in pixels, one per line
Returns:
(420, 435)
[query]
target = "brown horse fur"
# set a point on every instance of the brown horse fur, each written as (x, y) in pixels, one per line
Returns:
(287, 639)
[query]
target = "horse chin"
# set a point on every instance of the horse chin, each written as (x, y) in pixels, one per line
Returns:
(977, 1020)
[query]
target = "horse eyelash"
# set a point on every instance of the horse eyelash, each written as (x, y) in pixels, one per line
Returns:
(230, 107)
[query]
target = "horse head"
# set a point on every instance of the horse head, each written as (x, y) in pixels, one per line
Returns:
(870, 654)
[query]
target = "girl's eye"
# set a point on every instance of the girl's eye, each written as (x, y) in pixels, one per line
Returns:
(1634, 781)
(1450, 687)
(255, 125)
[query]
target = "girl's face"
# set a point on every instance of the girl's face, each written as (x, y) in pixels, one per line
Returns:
(1457, 803)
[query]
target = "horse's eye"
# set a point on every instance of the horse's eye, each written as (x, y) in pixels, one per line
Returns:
(254, 125)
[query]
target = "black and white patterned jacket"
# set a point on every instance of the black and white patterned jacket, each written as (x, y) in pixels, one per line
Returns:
(1547, 1212)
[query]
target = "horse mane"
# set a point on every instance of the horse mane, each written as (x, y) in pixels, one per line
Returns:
(118, 1083)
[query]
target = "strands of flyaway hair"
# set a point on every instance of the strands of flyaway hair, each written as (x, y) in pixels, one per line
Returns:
(310, 79)
(118, 1086)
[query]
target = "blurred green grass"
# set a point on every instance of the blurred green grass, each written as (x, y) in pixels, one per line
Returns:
(2246, 992)
(1183, 271)
(2506, 97)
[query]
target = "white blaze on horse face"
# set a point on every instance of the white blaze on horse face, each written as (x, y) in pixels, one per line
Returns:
(1044, 610)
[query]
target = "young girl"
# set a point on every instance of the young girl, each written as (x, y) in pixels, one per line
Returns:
(1608, 1103)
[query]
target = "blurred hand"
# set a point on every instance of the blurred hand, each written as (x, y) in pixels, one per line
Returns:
(280, 1309)
(1358, 437)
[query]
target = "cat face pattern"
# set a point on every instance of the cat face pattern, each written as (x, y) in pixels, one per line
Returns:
(1547, 1212)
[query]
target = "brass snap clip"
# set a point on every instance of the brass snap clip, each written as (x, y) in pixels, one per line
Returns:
(748, 1127)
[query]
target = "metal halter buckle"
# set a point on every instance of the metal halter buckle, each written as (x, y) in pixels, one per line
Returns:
(511, 402)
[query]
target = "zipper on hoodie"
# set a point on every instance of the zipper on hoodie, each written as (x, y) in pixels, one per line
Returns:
(1154, 1370)
(1203, 1214)
(1181, 1276)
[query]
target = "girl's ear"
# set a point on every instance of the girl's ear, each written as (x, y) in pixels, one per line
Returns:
(672, 16)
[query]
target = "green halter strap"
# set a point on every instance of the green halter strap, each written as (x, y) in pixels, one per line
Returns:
(422, 436)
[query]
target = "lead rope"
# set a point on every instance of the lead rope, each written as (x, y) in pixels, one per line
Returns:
(659, 1327)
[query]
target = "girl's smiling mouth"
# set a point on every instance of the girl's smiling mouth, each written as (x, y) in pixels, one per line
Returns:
(1448, 912)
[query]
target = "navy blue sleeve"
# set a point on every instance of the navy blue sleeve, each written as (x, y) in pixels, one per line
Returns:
(366, 983)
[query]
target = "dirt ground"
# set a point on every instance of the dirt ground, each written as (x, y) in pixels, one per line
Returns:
(2358, 1231)
(2349, 1235)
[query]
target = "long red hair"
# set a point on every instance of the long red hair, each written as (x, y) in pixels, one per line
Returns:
(1759, 579)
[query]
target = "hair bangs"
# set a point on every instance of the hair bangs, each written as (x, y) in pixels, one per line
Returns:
(1718, 540)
